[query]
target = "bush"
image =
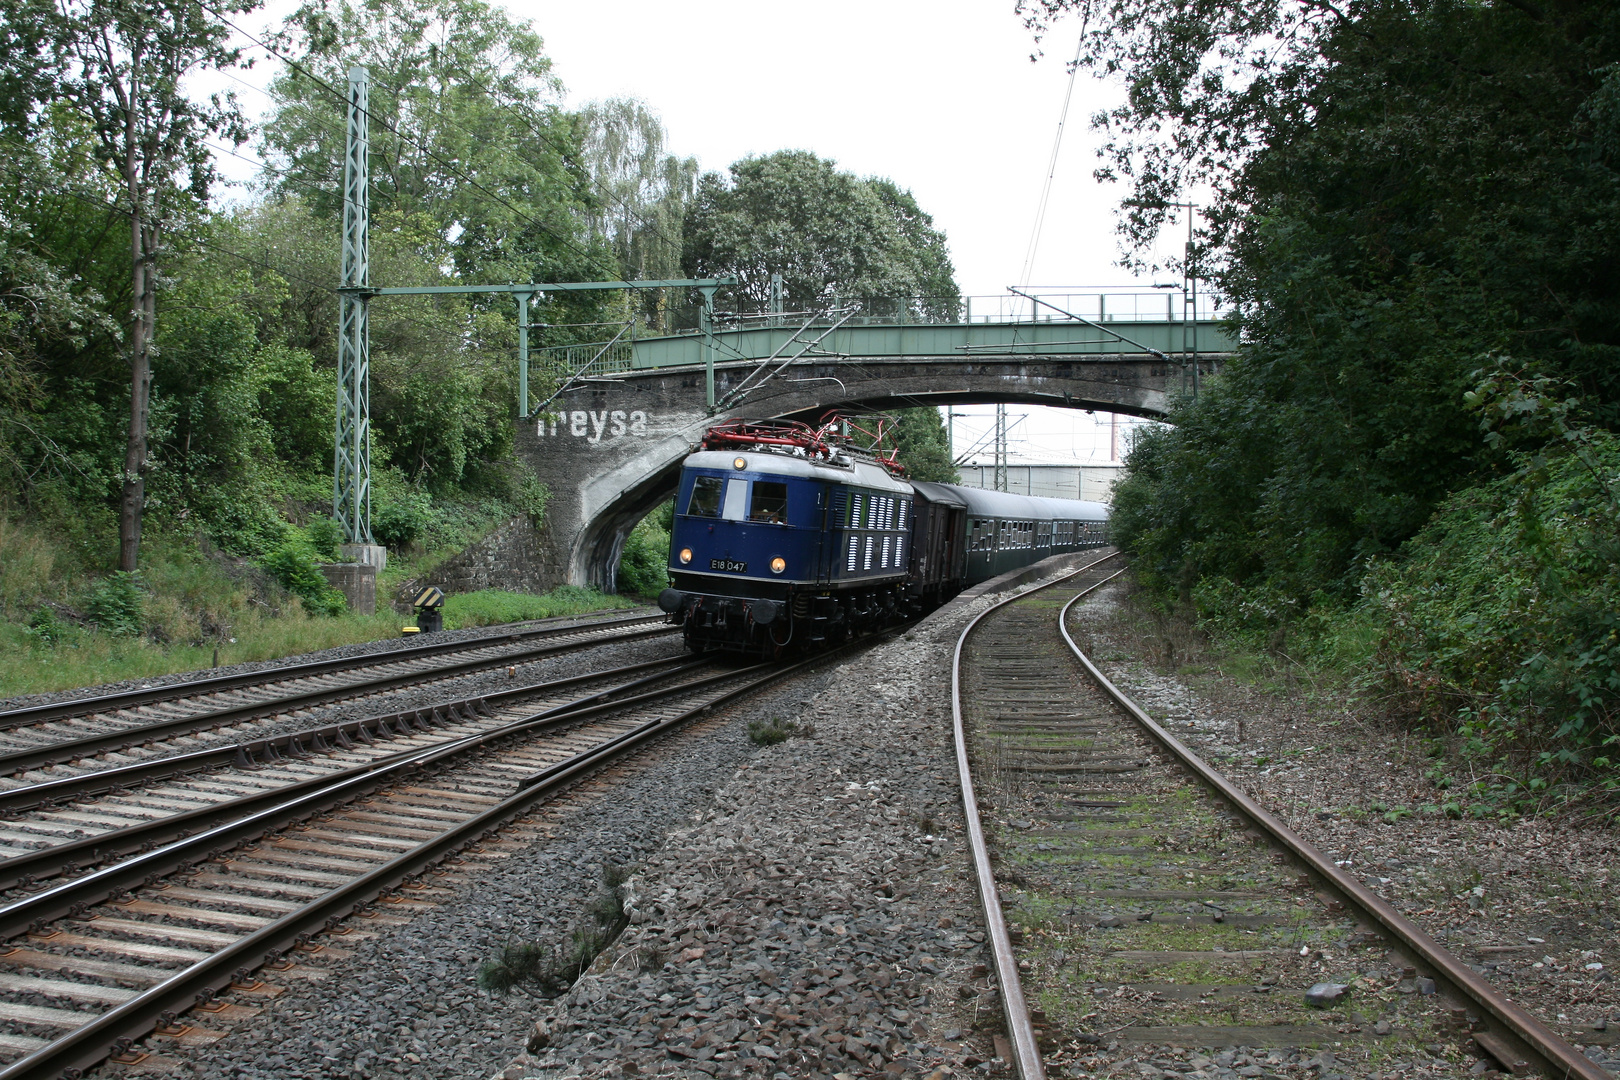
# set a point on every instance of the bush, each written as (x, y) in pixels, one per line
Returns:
(44, 628)
(1502, 615)
(326, 537)
(776, 730)
(643, 566)
(401, 521)
(552, 971)
(116, 604)
(294, 568)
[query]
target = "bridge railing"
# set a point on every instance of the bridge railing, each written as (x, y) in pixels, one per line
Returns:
(562, 362)
(1100, 305)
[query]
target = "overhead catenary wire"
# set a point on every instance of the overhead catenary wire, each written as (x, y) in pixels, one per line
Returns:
(1051, 165)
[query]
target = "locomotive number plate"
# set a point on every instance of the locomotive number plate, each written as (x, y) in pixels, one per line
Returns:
(730, 566)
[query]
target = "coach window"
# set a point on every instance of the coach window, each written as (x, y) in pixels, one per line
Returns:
(770, 502)
(705, 500)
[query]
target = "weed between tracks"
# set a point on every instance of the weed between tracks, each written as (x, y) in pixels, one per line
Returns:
(548, 971)
(776, 730)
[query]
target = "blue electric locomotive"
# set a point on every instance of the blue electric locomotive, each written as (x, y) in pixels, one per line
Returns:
(784, 538)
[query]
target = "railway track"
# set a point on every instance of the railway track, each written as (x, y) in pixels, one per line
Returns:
(1153, 905)
(96, 817)
(119, 954)
(70, 738)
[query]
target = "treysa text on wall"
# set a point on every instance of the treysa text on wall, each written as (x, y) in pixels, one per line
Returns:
(593, 427)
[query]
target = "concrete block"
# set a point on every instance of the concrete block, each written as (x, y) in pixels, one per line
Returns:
(357, 581)
(371, 554)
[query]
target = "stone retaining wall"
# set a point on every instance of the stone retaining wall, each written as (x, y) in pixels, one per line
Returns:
(508, 558)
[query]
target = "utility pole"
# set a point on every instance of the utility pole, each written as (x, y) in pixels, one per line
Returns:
(1189, 298)
(1001, 447)
(351, 458)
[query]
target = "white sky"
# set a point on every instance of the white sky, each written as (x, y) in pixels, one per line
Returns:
(939, 96)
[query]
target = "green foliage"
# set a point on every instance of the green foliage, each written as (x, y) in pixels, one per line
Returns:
(492, 607)
(516, 963)
(325, 538)
(828, 233)
(551, 971)
(400, 521)
(641, 191)
(1402, 195)
(923, 446)
(776, 730)
(44, 628)
(1503, 612)
(293, 566)
(644, 564)
(530, 495)
(483, 157)
(116, 604)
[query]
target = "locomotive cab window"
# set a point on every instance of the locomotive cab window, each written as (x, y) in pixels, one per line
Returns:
(705, 500)
(770, 502)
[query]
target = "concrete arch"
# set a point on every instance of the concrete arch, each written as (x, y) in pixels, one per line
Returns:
(611, 448)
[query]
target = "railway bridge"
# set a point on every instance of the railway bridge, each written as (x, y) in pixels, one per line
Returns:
(610, 440)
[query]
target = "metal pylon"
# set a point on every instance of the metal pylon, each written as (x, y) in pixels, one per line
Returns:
(351, 458)
(1001, 447)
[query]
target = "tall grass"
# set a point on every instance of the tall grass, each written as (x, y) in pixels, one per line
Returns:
(188, 608)
(90, 657)
(489, 607)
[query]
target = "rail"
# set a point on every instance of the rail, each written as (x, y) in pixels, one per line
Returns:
(1558, 1057)
(1026, 1051)
(21, 761)
(12, 719)
(158, 1006)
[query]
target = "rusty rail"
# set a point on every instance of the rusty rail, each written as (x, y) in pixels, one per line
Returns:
(1026, 1051)
(1558, 1058)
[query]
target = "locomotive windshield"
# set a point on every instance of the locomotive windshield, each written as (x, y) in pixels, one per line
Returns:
(705, 500)
(770, 502)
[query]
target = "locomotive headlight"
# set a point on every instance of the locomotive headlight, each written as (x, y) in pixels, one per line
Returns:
(740, 463)
(686, 556)
(778, 564)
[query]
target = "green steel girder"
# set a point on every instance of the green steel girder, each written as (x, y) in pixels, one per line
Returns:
(966, 340)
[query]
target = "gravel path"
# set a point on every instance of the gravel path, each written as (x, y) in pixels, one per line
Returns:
(1530, 905)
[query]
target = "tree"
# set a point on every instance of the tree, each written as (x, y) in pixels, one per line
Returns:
(121, 64)
(1403, 194)
(640, 191)
(828, 233)
(922, 445)
(469, 138)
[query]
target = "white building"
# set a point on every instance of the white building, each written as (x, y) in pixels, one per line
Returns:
(1094, 483)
